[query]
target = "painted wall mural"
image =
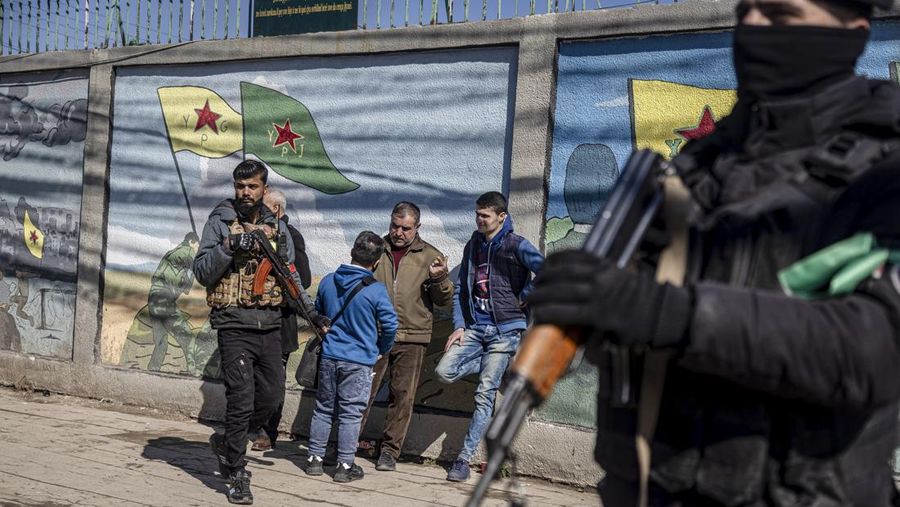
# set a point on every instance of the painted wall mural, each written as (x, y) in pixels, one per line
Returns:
(42, 130)
(615, 96)
(344, 138)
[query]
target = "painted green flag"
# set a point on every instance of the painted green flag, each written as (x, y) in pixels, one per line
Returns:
(281, 132)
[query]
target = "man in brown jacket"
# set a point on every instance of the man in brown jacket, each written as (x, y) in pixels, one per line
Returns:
(417, 279)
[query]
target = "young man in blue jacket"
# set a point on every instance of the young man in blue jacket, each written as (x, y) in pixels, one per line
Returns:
(363, 325)
(488, 314)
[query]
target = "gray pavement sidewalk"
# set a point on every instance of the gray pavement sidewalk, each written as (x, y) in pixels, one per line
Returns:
(57, 450)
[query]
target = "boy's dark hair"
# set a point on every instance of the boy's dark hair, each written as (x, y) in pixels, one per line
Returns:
(191, 237)
(492, 200)
(367, 249)
(404, 208)
(250, 168)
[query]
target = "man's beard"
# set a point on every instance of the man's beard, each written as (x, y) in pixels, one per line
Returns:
(247, 209)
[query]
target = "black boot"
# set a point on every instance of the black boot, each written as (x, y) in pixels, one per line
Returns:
(239, 492)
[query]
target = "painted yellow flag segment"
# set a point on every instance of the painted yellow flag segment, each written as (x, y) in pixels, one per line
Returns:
(200, 121)
(34, 238)
(667, 115)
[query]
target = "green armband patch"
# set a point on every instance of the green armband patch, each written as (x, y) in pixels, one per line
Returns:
(836, 269)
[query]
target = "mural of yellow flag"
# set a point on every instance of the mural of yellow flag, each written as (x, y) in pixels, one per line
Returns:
(200, 121)
(34, 238)
(667, 115)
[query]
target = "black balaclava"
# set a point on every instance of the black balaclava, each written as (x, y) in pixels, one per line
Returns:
(774, 62)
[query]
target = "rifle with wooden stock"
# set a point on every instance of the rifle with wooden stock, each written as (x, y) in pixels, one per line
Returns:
(547, 350)
(291, 286)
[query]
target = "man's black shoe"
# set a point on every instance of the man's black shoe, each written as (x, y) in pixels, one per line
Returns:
(217, 444)
(386, 463)
(239, 492)
(314, 466)
(348, 473)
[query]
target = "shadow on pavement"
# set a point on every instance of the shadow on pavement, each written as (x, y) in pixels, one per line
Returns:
(194, 457)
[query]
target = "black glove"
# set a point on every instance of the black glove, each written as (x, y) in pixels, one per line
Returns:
(575, 288)
(320, 321)
(240, 241)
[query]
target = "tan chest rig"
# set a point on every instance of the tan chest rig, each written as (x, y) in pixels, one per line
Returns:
(236, 288)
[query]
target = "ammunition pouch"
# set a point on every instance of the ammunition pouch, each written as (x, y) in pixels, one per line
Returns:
(237, 289)
(249, 284)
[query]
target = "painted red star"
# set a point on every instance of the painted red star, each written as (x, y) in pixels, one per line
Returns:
(33, 237)
(207, 118)
(286, 135)
(706, 127)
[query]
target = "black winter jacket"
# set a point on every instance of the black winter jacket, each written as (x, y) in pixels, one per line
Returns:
(213, 261)
(776, 400)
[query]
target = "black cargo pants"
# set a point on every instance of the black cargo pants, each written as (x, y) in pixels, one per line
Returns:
(254, 385)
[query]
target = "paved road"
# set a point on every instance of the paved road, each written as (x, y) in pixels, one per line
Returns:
(57, 450)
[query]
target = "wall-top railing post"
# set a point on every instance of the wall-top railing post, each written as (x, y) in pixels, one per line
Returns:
(87, 21)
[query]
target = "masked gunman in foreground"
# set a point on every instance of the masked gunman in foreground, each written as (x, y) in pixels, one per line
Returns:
(785, 377)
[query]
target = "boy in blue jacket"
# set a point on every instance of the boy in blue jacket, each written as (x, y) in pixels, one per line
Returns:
(488, 314)
(363, 325)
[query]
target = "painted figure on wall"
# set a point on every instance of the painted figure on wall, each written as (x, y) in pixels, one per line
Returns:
(161, 336)
(161, 321)
(173, 277)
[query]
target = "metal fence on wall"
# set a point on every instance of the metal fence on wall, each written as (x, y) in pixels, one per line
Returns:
(32, 26)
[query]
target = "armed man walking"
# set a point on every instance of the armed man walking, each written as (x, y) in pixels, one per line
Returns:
(785, 379)
(172, 279)
(416, 276)
(248, 324)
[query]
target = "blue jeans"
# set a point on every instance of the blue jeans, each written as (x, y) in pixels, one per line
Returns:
(342, 394)
(486, 351)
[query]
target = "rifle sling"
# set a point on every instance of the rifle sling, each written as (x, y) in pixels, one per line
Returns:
(672, 267)
(365, 282)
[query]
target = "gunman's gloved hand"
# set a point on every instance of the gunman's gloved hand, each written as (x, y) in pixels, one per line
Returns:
(575, 288)
(322, 322)
(241, 241)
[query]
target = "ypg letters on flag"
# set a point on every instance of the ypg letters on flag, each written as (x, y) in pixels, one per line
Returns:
(200, 121)
(668, 115)
(276, 129)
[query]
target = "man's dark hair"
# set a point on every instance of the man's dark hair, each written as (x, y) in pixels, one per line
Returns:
(367, 248)
(191, 237)
(404, 208)
(250, 168)
(492, 200)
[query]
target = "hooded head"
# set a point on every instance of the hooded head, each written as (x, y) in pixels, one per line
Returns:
(785, 48)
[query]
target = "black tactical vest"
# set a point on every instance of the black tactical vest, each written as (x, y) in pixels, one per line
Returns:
(764, 185)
